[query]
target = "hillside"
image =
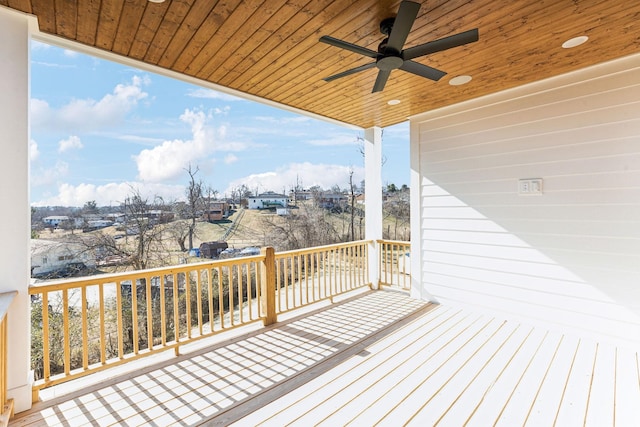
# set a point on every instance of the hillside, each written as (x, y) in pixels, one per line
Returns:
(246, 229)
(307, 226)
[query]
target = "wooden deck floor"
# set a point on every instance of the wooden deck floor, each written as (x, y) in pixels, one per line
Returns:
(379, 358)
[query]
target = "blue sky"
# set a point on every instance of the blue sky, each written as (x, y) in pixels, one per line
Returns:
(99, 129)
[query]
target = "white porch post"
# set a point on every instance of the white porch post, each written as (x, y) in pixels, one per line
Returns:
(415, 213)
(373, 197)
(417, 288)
(15, 213)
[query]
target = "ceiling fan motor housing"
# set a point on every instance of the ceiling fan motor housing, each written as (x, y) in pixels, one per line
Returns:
(388, 59)
(388, 63)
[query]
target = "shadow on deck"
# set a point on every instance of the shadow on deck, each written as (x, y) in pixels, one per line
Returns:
(376, 358)
(233, 378)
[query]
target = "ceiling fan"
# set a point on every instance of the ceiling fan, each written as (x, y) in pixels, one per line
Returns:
(391, 55)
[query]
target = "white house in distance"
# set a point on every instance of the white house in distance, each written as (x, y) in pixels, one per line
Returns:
(48, 256)
(55, 220)
(268, 200)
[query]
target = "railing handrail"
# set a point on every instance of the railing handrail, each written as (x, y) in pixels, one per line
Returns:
(394, 242)
(62, 284)
(320, 248)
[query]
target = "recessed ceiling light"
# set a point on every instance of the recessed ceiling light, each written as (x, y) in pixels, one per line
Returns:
(459, 80)
(576, 41)
(156, 1)
(393, 102)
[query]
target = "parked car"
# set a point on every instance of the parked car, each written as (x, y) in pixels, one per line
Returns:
(249, 251)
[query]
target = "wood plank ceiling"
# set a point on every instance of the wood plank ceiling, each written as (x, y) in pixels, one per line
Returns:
(270, 48)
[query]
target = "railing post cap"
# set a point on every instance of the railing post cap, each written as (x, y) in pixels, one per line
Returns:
(265, 249)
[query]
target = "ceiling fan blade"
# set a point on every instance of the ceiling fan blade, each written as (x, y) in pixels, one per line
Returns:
(422, 70)
(349, 72)
(407, 14)
(349, 46)
(441, 44)
(381, 80)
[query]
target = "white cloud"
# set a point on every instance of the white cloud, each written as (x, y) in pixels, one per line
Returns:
(110, 194)
(34, 153)
(89, 114)
(307, 173)
(52, 64)
(47, 176)
(230, 158)
(222, 111)
(73, 142)
(70, 53)
(36, 45)
(284, 120)
(212, 94)
(335, 141)
(169, 159)
(143, 140)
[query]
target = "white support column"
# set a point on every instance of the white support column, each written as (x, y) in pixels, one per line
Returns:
(15, 213)
(417, 288)
(373, 197)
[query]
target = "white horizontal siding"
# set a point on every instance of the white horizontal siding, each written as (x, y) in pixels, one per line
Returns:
(570, 257)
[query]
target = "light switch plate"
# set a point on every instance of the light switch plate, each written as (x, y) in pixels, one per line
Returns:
(530, 186)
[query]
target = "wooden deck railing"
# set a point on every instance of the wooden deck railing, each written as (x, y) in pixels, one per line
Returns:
(395, 264)
(310, 275)
(80, 326)
(6, 404)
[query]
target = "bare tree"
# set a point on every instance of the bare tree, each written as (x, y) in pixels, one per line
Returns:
(310, 226)
(397, 210)
(212, 194)
(144, 246)
(352, 205)
(240, 194)
(179, 231)
(194, 202)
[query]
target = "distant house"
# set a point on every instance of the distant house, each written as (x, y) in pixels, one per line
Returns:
(217, 211)
(158, 216)
(117, 218)
(56, 220)
(300, 195)
(328, 200)
(268, 200)
(49, 257)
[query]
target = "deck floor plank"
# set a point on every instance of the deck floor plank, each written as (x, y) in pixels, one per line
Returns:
(493, 403)
(459, 384)
(473, 395)
(576, 395)
(423, 388)
(600, 410)
(373, 376)
(378, 358)
(547, 403)
(385, 352)
(627, 386)
(517, 407)
(436, 350)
